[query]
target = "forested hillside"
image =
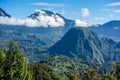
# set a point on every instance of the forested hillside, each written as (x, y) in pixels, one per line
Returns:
(14, 66)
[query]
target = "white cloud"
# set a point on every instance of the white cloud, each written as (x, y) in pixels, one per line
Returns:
(117, 11)
(42, 20)
(99, 18)
(84, 12)
(15, 21)
(80, 23)
(48, 4)
(113, 4)
(111, 10)
(53, 20)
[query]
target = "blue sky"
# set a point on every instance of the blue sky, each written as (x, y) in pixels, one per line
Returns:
(92, 11)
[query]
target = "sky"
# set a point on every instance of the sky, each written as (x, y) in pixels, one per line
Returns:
(92, 11)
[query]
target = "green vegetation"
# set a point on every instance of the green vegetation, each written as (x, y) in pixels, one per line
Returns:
(85, 45)
(44, 72)
(31, 40)
(14, 66)
(118, 70)
(65, 65)
(74, 76)
(90, 74)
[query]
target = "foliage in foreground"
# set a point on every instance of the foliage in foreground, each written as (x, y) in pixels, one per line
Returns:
(44, 72)
(14, 66)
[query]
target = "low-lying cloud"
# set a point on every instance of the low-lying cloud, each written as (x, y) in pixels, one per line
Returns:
(15, 21)
(42, 20)
(80, 23)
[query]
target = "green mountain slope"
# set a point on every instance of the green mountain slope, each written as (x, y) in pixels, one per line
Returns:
(85, 45)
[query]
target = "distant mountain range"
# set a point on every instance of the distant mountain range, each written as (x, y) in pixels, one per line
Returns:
(80, 43)
(110, 29)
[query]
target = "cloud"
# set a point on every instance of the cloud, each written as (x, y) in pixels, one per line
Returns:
(48, 4)
(111, 10)
(15, 21)
(84, 12)
(99, 18)
(43, 20)
(54, 21)
(117, 11)
(80, 23)
(113, 4)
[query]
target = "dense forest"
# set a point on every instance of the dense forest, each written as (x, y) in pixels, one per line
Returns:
(15, 66)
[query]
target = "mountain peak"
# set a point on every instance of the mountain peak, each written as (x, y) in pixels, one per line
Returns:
(38, 13)
(110, 30)
(81, 43)
(112, 23)
(42, 11)
(47, 18)
(3, 13)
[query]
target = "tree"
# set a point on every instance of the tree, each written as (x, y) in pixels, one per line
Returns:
(16, 66)
(2, 59)
(118, 70)
(44, 72)
(74, 76)
(90, 74)
(108, 76)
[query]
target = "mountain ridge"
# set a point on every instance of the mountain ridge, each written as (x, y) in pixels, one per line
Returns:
(37, 39)
(83, 44)
(110, 29)
(104, 30)
(44, 12)
(3, 13)
(79, 42)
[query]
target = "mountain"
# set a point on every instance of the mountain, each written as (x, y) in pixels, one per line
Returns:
(110, 29)
(3, 13)
(78, 42)
(117, 45)
(81, 43)
(34, 40)
(85, 45)
(38, 14)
